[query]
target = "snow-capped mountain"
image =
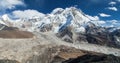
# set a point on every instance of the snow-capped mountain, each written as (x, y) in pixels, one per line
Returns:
(58, 19)
(71, 25)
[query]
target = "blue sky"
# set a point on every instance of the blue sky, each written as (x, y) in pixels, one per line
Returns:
(105, 9)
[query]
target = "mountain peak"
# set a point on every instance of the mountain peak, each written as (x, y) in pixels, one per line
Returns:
(58, 18)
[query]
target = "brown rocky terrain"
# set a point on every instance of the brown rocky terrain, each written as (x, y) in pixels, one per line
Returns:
(15, 34)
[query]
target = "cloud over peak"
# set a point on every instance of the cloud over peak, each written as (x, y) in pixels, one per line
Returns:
(27, 13)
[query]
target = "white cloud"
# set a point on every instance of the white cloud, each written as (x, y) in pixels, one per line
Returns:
(102, 22)
(112, 3)
(93, 17)
(112, 8)
(104, 15)
(26, 14)
(112, 23)
(10, 4)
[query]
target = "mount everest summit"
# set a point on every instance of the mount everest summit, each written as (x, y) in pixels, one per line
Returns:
(69, 24)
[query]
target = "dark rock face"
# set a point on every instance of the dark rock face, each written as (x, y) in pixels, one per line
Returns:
(102, 36)
(116, 37)
(65, 34)
(99, 36)
(46, 27)
(94, 34)
(82, 38)
(116, 32)
(88, 58)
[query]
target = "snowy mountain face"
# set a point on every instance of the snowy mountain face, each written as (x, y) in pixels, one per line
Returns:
(71, 25)
(58, 19)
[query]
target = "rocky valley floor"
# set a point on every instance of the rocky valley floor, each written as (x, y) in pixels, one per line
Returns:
(47, 48)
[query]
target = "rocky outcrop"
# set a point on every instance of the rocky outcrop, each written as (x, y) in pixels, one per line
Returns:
(89, 58)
